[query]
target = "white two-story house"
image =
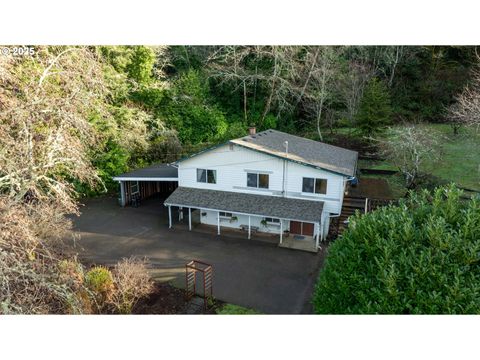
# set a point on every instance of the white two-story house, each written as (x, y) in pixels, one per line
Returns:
(266, 182)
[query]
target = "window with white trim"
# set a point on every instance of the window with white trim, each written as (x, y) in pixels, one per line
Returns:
(207, 176)
(257, 180)
(273, 221)
(225, 215)
(314, 186)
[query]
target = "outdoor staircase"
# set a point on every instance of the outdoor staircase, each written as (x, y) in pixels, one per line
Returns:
(362, 204)
(350, 205)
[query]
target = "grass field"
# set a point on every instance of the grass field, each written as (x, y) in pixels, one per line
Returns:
(230, 309)
(459, 158)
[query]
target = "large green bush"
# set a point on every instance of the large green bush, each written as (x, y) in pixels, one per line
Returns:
(420, 257)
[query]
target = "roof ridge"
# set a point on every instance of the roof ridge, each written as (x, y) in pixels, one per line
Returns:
(296, 136)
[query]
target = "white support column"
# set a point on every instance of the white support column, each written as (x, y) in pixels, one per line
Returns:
(180, 214)
(281, 230)
(190, 219)
(218, 222)
(122, 193)
(317, 235)
(249, 228)
(169, 217)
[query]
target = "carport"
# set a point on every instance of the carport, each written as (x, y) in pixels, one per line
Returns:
(146, 182)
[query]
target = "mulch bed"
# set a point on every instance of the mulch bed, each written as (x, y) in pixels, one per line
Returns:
(167, 299)
(363, 147)
(372, 188)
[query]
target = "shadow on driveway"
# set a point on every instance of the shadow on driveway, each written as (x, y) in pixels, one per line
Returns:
(249, 273)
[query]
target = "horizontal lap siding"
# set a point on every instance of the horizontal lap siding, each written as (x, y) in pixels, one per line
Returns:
(335, 186)
(230, 166)
(231, 163)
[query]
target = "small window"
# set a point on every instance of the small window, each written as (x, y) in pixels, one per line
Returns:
(316, 186)
(257, 180)
(212, 176)
(320, 186)
(308, 185)
(263, 181)
(226, 214)
(272, 220)
(207, 176)
(252, 180)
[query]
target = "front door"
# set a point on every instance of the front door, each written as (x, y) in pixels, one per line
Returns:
(301, 228)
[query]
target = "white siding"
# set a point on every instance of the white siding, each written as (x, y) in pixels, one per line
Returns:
(335, 186)
(232, 162)
(210, 218)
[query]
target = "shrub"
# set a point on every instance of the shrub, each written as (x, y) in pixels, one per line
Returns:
(132, 282)
(99, 280)
(422, 256)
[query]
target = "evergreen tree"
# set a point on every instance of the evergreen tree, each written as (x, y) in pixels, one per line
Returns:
(375, 109)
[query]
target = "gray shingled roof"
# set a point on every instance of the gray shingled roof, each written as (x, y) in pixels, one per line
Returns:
(162, 171)
(302, 150)
(262, 205)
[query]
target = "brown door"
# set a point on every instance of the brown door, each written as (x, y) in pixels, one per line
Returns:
(307, 229)
(301, 228)
(295, 227)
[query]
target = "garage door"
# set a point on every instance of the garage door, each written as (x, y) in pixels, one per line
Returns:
(301, 228)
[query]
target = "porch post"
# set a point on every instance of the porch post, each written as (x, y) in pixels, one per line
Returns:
(169, 217)
(122, 193)
(180, 214)
(190, 218)
(317, 236)
(249, 228)
(281, 230)
(218, 222)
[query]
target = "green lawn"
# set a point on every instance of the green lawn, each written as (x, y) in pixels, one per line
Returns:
(459, 158)
(230, 309)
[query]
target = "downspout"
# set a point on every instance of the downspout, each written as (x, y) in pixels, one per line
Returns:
(284, 182)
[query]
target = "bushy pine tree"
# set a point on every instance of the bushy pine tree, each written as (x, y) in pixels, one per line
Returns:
(375, 109)
(420, 257)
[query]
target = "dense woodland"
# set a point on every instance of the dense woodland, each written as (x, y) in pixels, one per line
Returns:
(73, 117)
(158, 103)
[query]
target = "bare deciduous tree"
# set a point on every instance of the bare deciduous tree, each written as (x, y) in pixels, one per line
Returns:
(467, 109)
(44, 132)
(350, 86)
(320, 86)
(409, 148)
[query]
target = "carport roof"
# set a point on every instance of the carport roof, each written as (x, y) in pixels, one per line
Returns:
(157, 172)
(250, 204)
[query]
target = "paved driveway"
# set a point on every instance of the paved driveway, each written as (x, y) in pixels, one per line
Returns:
(250, 273)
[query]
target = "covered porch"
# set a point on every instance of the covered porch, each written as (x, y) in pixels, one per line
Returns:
(251, 214)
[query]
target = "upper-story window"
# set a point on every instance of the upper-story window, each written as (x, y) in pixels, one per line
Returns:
(207, 176)
(257, 180)
(315, 186)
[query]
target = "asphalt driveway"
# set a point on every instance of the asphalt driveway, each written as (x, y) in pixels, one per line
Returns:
(250, 273)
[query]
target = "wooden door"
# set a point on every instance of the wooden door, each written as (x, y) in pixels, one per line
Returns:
(307, 229)
(301, 228)
(295, 227)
